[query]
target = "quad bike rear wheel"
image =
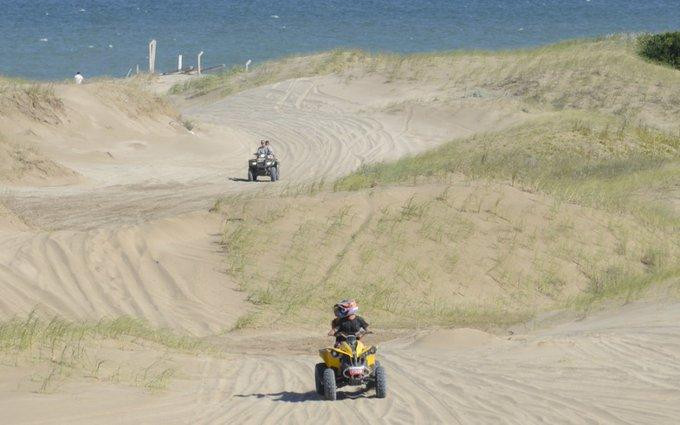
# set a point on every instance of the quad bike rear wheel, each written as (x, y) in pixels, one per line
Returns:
(380, 382)
(329, 389)
(318, 377)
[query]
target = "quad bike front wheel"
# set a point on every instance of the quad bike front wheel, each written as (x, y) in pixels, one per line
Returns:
(251, 176)
(274, 173)
(318, 377)
(380, 382)
(330, 391)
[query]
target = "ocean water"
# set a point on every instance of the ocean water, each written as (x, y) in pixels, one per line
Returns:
(52, 39)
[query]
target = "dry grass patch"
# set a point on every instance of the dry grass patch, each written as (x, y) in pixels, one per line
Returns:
(58, 349)
(36, 101)
(587, 159)
(237, 79)
(22, 162)
(466, 252)
(133, 96)
(603, 74)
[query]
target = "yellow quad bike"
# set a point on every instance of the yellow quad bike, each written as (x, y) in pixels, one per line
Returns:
(351, 363)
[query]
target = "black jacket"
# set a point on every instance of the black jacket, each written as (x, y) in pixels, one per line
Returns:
(349, 326)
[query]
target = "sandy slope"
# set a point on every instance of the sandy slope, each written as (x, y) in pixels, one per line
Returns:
(168, 272)
(618, 368)
(132, 238)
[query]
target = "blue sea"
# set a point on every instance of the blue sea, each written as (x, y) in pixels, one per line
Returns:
(52, 39)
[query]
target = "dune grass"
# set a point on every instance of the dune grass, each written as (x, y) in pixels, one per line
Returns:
(59, 349)
(35, 100)
(39, 101)
(571, 210)
(458, 253)
(133, 96)
(21, 160)
(575, 157)
(604, 74)
(236, 79)
(594, 162)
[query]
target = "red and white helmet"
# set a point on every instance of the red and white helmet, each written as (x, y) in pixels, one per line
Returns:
(345, 308)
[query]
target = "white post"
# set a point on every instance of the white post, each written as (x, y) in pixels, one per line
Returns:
(248, 64)
(137, 69)
(152, 56)
(199, 62)
(179, 62)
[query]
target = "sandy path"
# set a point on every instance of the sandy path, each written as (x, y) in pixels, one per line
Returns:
(324, 127)
(600, 370)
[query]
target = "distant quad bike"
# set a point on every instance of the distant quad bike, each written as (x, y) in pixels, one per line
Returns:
(263, 165)
(350, 364)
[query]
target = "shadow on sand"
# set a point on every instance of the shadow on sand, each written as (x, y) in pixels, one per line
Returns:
(296, 397)
(238, 179)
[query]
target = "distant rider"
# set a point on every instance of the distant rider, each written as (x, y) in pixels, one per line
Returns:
(269, 148)
(264, 148)
(346, 320)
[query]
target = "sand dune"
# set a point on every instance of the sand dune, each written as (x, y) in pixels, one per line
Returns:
(169, 272)
(92, 252)
(132, 237)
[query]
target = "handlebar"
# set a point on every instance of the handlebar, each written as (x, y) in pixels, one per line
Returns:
(359, 334)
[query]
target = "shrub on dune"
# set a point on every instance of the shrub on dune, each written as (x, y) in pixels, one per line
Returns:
(663, 48)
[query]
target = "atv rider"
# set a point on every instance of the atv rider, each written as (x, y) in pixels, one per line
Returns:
(262, 149)
(346, 320)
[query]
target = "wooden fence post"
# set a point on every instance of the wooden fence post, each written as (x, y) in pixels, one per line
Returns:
(152, 56)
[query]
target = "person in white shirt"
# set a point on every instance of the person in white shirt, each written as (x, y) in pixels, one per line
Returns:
(261, 149)
(79, 78)
(268, 148)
